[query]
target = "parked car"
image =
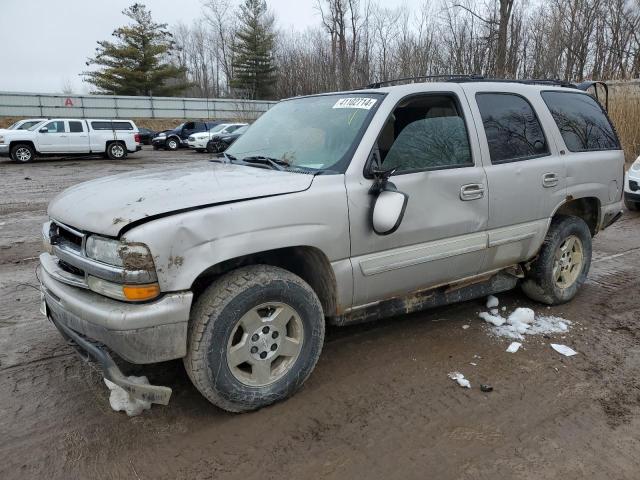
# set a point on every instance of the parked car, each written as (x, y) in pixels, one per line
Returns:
(25, 124)
(71, 136)
(632, 187)
(331, 209)
(146, 135)
(198, 141)
(219, 143)
(176, 138)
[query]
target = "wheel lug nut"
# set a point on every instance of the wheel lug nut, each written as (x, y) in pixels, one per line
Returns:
(265, 329)
(274, 347)
(255, 337)
(263, 355)
(254, 349)
(274, 335)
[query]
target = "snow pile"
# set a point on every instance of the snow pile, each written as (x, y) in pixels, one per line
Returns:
(458, 377)
(522, 321)
(492, 302)
(513, 348)
(564, 350)
(120, 400)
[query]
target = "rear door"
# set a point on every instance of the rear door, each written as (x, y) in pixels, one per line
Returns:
(55, 139)
(526, 175)
(78, 137)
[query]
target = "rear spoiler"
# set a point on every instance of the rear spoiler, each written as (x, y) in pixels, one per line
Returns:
(585, 86)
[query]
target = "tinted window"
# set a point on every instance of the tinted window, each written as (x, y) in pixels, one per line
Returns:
(430, 143)
(101, 125)
(189, 126)
(122, 126)
(512, 127)
(582, 122)
(75, 127)
(28, 125)
(55, 127)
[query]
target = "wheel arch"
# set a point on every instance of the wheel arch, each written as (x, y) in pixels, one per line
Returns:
(309, 263)
(23, 142)
(586, 208)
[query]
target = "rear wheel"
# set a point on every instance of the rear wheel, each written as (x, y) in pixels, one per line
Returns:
(22, 153)
(255, 336)
(116, 151)
(172, 144)
(631, 205)
(562, 264)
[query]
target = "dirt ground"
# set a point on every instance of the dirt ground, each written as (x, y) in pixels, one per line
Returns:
(378, 406)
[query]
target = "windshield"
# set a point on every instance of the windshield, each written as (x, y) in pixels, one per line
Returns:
(218, 128)
(13, 126)
(33, 127)
(316, 132)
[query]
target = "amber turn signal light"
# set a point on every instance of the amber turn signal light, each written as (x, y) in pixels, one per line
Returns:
(139, 293)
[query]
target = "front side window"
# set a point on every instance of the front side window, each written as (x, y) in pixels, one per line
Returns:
(581, 121)
(425, 133)
(317, 132)
(55, 126)
(512, 127)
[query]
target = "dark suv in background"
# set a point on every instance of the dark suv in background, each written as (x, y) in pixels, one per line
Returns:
(174, 139)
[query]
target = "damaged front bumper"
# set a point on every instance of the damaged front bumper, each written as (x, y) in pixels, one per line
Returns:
(89, 350)
(140, 333)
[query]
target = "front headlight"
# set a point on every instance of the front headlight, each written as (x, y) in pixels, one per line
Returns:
(1, 139)
(131, 256)
(634, 166)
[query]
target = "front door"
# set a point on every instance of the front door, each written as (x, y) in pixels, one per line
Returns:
(54, 139)
(443, 236)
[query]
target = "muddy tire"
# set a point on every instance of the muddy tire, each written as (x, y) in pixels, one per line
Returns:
(255, 336)
(22, 153)
(631, 205)
(562, 264)
(116, 151)
(172, 144)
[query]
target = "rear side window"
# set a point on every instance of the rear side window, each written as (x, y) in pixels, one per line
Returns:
(581, 121)
(75, 127)
(122, 126)
(512, 127)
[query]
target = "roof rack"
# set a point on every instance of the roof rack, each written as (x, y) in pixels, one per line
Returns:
(476, 78)
(448, 78)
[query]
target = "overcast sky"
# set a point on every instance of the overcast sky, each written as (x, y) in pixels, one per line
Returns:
(46, 43)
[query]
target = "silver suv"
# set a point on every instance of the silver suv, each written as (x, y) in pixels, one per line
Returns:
(335, 208)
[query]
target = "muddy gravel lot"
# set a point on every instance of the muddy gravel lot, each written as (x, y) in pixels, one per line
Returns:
(378, 406)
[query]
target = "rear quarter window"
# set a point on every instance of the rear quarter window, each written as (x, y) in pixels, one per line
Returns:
(582, 122)
(111, 126)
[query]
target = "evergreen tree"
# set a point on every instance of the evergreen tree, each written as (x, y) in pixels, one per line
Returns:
(136, 63)
(253, 65)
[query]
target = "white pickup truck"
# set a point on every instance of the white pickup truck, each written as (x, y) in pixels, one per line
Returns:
(62, 136)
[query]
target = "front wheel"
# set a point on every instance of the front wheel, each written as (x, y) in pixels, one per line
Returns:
(172, 144)
(255, 336)
(116, 151)
(562, 264)
(22, 153)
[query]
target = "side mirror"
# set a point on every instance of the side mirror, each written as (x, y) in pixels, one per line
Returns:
(43, 130)
(388, 211)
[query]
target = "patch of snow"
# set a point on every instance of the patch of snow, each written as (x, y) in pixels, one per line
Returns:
(494, 311)
(492, 302)
(513, 348)
(464, 327)
(458, 377)
(474, 364)
(120, 400)
(495, 320)
(564, 350)
(504, 309)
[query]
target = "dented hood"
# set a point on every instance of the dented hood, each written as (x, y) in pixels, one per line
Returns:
(107, 205)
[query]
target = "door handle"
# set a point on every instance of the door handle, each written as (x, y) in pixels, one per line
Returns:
(549, 180)
(472, 191)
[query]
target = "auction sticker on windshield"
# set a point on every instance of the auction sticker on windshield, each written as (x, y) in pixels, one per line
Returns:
(356, 102)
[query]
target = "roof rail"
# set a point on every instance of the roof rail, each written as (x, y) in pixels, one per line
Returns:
(448, 78)
(476, 78)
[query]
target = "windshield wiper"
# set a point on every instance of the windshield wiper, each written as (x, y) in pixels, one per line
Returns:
(275, 163)
(227, 158)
